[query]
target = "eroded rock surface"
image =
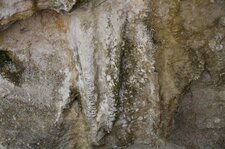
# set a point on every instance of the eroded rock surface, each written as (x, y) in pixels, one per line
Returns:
(14, 10)
(112, 74)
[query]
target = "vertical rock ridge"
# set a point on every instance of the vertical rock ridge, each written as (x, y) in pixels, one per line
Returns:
(106, 31)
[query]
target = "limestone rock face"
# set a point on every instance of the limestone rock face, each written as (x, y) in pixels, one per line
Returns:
(112, 74)
(14, 10)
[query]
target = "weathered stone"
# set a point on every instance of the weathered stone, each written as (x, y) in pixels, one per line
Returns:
(112, 74)
(14, 10)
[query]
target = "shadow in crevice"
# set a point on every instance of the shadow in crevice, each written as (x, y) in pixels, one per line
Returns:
(11, 67)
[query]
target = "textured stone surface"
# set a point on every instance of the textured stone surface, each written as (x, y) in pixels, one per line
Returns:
(14, 10)
(112, 74)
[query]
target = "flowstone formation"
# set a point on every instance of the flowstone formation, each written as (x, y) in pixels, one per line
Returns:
(105, 74)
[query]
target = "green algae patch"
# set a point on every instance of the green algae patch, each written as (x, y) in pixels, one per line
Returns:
(10, 67)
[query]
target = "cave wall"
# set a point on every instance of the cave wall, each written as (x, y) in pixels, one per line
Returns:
(112, 74)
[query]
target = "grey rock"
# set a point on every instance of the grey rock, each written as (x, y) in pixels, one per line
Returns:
(112, 74)
(14, 10)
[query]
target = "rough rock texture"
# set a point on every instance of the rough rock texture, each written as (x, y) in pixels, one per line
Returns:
(13, 10)
(112, 74)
